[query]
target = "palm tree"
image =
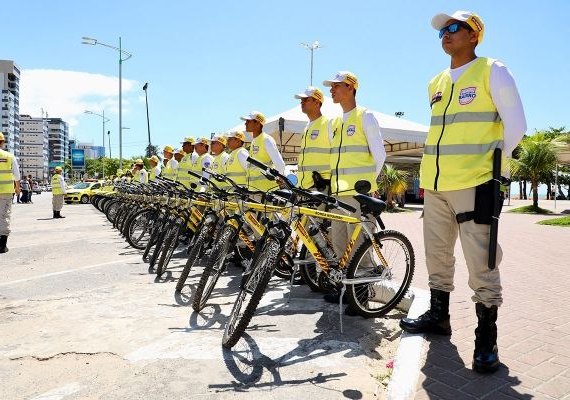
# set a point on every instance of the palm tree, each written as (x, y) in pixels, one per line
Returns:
(536, 159)
(393, 182)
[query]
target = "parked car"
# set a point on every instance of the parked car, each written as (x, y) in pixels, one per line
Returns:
(36, 188)
(48, 188)
(81, 192)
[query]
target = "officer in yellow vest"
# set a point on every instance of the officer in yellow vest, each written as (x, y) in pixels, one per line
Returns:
(263, 148)
(154, 168)
(475, 109)
(58, 191)
(314, 165)
(237, 165)
(217, 149)
(9, 184)
(357, 154)
(204, 159)
(140, 175)
(170, 164)
(185, 164)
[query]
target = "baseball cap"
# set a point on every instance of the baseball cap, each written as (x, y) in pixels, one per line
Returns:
(189, 139)
(238, 135)
(313, 92)
(473, 20)
(58, 168)
(203, 140)
(139, 161)
(2, 136)
(254, 115)
(220, 138)
(155, 159)
(344, 77)
(169, 148)
(181, 152)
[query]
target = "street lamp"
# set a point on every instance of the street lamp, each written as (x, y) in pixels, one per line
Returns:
(93, 42)
(399, 114)
(109, 136)
(145, 87)
(104, 120)
(312, 47)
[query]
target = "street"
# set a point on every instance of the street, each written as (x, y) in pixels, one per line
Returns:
(81, 317)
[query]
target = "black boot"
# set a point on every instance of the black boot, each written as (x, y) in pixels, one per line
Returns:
(486, 354)
(3, 247)
(58, 214)
(434, 320)
(54, 214)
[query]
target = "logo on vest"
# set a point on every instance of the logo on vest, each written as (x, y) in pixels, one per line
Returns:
(351, 130)
(207, 164)
(215, 165)
(255, 149)
(314, 134)
(467, 95)
(435, 98)
(230, 160)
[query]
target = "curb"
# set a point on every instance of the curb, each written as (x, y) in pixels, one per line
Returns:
(410, 355)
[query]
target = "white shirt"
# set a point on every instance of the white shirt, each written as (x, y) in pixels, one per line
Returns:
(507, 101)
(62, 184)
(143, 176)
(242, 156)
(274, 154)
(157, 170)
(15, 169)
(373, 137)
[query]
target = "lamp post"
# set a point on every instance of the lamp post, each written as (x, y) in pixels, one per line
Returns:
(312, 47)
(109, 136)
(104, 120)
(145, 87)
(93, 42)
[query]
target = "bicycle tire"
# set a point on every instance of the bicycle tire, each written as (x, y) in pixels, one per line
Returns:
(196, 244)
(360, 296)
(310, 272)
(158, 246)
(262, 270)
(131, 225)
(214, 267)
(170, 245)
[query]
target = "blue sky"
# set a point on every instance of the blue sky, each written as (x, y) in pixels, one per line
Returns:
(207, 63)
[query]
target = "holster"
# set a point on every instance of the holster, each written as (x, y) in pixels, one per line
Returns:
(484, 205)
(320, 182)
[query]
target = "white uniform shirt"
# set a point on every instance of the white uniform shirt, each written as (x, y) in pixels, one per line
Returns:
(274, 154)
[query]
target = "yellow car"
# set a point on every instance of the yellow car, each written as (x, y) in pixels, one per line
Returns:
(81, 192)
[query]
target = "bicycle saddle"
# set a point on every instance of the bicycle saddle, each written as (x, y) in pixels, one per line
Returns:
(370, 204)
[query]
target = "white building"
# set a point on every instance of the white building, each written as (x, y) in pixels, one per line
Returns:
(34, 147)
(10, 85)
(58, 142)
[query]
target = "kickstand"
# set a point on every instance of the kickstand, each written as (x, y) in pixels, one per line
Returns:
(295, 269)
(342, 290)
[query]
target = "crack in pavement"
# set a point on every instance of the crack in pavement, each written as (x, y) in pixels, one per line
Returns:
(55, 299)
(63, 354)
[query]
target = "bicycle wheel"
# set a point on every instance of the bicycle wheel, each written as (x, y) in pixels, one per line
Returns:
(196, 245)
(159, 245)
(251, 292)
(170, 244)
(377, 298)
(214, 267)
(310, 271)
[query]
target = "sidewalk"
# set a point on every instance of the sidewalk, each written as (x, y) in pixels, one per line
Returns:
(534, 321)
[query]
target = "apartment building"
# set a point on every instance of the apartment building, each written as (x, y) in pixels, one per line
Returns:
(10, 121)
(34, 147)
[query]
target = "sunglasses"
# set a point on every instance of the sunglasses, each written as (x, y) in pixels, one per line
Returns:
(452, 28)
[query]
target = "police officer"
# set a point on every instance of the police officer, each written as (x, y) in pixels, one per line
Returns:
(314, 164)
(264, 149)
(58, 190)
(140, 175)
(204, 159)
(217, 149)
(9, 184)
(185, 164)
(154, 168)
(170, 164)
(237, 165)
(357, 153)
(475, 109)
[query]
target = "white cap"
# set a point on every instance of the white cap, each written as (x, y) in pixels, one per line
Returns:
(313, 92)
(256, 116)
(345, 77)
(473, 20)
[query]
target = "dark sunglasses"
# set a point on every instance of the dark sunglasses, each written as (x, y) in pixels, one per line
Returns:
(452, 28)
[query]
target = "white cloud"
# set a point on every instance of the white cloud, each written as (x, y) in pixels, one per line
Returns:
(67, 94)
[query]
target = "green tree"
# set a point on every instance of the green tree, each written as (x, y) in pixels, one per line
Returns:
(151, 150)
(393, 182)
(536, 159)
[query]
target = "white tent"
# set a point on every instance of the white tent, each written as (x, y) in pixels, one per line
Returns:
(401, 137)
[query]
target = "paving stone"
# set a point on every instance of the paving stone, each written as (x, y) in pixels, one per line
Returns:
(546, 371)
(557, 387)
(536, 357)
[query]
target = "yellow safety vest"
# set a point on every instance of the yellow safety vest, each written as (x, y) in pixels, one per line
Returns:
(202, 161)
(153, 173)
(255, 179)
(137, 176)
(219, 167)
(234, 169)
(55, 186)
(169, 172)
(184, 166)
(315, 153)
(351, 160)
(465, 129)
(6, 174)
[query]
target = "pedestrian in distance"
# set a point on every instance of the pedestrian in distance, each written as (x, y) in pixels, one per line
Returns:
(9, 184)
(58, 191)
(475, 109)
(25, 186)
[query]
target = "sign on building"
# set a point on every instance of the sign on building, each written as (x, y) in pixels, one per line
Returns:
(78, 158)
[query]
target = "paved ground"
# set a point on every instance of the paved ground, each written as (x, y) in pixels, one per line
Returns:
(534, 321)
(81, 318)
